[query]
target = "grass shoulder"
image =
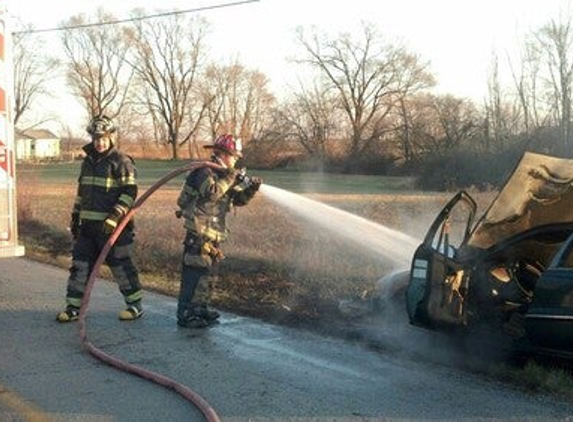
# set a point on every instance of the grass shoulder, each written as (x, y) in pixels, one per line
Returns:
(278, 268)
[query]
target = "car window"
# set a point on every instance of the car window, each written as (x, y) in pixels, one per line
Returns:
(564, 258)
(451, 232)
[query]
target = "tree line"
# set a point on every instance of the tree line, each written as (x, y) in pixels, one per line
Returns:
(365, 105)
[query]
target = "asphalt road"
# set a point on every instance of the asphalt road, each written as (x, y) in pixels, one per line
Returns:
(246, 370)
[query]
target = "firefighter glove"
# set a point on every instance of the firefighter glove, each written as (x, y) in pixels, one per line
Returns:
(109, 225)
(240, 174)
(242, 182)
(256, 183)
(75, 224)
(213, 251)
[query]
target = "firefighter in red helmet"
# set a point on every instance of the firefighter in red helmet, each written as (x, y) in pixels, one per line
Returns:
(208, 194)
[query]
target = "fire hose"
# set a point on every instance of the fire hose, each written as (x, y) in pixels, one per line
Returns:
(160, 379)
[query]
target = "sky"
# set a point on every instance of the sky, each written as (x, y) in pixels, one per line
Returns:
(457, 37)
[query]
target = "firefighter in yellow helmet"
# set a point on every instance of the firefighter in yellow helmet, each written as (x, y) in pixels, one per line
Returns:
(106, 191)
(207, 196)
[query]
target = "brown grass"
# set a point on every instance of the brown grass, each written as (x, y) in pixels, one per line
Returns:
(278, 267)
(276, 264)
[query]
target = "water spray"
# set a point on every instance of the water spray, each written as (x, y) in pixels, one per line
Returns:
(380, 240)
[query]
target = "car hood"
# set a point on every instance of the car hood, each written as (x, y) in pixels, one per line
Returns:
(538, 193)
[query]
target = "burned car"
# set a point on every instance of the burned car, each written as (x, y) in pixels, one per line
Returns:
(510, 270)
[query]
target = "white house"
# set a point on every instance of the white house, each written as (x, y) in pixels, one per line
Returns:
(37, 144)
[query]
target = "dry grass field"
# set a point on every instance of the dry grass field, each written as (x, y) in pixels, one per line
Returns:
(277, 266)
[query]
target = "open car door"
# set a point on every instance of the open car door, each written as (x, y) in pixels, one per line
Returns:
(463, 272)
(434, 295)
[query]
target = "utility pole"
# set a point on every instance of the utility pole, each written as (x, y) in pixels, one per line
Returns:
(9, 246)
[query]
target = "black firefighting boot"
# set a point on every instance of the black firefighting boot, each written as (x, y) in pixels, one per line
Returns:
(70, 314)
(131, 312)
(198, 317)
(194, 321)
(208, 313)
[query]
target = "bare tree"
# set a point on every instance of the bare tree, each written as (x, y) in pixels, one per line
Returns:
(556, 40)
(312, 119)
(33, 70)
(494, 119)
(241, 101)
(167, 60)
(503, 118)
(406, 142)
(526, 80)
(369, 76)
(97, 70)
(456, 121)
(439, 124)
